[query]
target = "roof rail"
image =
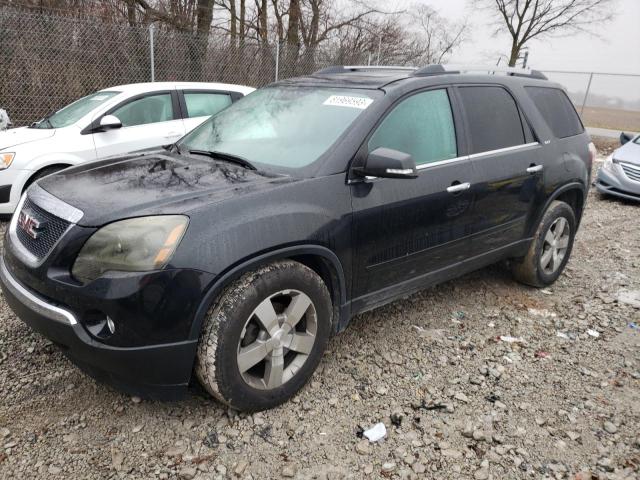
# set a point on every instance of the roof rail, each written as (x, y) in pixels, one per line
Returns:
(452, 68)
(360, 68)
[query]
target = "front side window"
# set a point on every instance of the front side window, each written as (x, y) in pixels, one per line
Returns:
(285, 127)
(422, 125)
(493, 119)
(75, 111)
(200, 104)
(149, 109)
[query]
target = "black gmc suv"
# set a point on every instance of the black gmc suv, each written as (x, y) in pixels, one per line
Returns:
(238, 251)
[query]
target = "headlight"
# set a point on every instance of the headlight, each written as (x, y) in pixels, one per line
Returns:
(133, 245)
(608, 164)
(5, 159)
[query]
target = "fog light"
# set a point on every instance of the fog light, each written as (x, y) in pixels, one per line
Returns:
(99, 324)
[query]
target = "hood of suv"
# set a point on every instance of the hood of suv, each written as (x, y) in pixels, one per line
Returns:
(628, 153)
(18, 136)
(154, 183)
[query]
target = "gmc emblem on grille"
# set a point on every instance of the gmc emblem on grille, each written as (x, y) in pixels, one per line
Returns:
(29, 224)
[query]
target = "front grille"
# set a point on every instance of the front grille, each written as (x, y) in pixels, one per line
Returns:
(631, 171)
(50, 230)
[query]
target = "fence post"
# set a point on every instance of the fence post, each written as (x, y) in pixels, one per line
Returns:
(277, 58)
(586, 94)
(151, 56)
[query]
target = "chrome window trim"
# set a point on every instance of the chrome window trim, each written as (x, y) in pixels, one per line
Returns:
(442, 162)
(32, 301)
(503, 150)
(477, 155)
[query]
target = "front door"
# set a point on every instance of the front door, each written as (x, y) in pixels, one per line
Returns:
(407, 228)
(147, 121)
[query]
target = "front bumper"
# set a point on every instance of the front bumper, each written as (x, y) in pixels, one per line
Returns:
(617, 184)
(157, 371)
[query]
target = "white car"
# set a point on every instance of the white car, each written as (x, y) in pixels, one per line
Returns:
(113, 121)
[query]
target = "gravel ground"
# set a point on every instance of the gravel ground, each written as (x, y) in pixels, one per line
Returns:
(458, 402)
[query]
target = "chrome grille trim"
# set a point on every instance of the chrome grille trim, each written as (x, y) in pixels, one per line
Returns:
(54, 205)
(47, 202)
(631, 171)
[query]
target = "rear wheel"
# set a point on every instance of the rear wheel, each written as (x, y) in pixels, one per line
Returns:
(550, 249)
(264, 336)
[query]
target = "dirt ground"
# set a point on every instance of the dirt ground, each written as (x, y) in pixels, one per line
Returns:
(612, 118)
(561, 401)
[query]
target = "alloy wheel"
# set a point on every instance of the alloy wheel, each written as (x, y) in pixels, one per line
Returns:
(277, 339)
(554, 247)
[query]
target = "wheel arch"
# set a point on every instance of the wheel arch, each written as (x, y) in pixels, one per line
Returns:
(316, 257)
(573, 193)
(29, 180)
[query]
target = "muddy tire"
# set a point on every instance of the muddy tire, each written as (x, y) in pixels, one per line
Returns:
(264, 336)
(550, 249)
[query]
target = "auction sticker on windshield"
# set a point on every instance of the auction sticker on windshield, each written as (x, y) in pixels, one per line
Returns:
(348, 101)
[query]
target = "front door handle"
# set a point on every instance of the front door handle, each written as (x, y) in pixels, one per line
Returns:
(172, 134)
(459, 187)
(535, 169)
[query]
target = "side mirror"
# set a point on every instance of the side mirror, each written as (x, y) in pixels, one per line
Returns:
(388, 163)
(110, 122)
(624, 138)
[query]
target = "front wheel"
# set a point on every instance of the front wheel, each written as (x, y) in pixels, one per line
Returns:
(264, 336)
(550, 249)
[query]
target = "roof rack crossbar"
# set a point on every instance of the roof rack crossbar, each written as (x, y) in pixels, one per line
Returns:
(452, 68)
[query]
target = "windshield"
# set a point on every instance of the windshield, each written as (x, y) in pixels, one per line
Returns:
(287, 127)
(74, 111)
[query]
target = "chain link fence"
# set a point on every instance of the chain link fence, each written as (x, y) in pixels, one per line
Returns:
(47, 61)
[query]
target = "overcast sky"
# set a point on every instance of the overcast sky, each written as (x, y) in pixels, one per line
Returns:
(616, 48)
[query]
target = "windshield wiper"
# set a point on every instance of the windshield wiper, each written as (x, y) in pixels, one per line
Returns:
(44, 120)
(226, 157)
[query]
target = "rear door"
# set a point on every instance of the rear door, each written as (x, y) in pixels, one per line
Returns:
(148, 120)
(506, 163)
(198, 105)
(406, 228)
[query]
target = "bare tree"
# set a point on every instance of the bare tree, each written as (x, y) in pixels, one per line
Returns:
(529, 19)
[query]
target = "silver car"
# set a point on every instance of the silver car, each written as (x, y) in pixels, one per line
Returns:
(620, 173)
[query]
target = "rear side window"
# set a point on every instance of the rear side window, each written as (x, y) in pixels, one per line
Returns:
(557, 110)
(493, 119)
(200, 104)
(421, 125)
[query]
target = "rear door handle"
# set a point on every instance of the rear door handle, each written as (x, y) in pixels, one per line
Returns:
(535, 169)
(459, 187)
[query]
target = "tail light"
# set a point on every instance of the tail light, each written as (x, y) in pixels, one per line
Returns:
(592, 152)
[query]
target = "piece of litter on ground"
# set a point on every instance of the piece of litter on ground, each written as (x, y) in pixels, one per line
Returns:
(375, 433)
(593, 333)
(546, 292)
(507, 359)
(508, 339)
(542, 354)
(562, 335)
(634, 326)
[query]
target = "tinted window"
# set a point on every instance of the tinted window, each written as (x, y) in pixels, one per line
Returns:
(202, 104)
(421, 125)
(493, 118)
(557, 110)
(151, 109)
